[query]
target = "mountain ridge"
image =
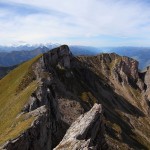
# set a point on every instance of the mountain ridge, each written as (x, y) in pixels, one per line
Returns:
(63, 87)
(15, 57)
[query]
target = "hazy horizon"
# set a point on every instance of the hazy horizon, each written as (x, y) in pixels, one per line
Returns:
(45, 44)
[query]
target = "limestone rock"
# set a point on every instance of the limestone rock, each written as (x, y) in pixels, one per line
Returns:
(122, 69)
(87, 132)
(147, 79)
(69, 86)
(37, 137)
(59, 56)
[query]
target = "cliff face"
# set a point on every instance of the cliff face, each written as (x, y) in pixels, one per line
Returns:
(147, 81)
(87, 132)
(68, 87)
(37, 136)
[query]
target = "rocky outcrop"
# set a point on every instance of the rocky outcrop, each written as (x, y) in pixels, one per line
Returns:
(55, 120)
(68, 87)
(59, 56)
(123, 69)
(147, 87)
(87, 132)
(37, 137)
(147, 80)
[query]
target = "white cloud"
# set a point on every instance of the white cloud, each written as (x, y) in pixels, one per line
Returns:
(77, 22)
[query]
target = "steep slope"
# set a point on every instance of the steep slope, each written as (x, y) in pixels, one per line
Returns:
(12, 101)
(41, 98)
(114, 82)
(31, 97)
(86, 132)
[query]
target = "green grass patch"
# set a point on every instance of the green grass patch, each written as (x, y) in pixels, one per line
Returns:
(12, 101)
(16, 130)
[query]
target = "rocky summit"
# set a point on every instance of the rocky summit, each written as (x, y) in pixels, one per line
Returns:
(61, 102)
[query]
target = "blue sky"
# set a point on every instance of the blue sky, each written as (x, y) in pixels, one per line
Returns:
(86, 22)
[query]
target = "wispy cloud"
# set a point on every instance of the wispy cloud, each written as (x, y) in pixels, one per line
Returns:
(96, 22)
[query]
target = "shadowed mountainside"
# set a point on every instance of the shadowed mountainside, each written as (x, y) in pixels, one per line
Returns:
(48, 93)
(5, 70)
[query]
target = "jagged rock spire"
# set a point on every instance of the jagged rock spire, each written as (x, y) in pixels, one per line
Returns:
(86, 132)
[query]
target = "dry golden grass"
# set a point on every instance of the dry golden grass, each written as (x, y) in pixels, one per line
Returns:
(12, 102)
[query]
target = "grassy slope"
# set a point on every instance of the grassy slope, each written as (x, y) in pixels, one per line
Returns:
(12, 101)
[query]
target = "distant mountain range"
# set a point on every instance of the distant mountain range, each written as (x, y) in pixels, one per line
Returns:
(5, 70)
(26, 47)
(14, 55)
(17, 57)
